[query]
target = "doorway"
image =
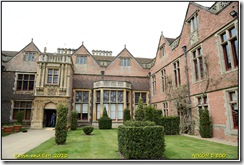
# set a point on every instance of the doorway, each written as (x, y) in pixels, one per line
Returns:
(47, 117)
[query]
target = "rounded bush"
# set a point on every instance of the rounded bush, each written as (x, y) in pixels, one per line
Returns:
(88, 129)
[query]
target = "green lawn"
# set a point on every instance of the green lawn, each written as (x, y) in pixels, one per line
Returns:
(102, 144)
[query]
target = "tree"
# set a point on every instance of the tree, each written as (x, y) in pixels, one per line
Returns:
(74, 122)
(139, 114)
(105, 122)
(126, 114)
(206, 127)
(61, 132)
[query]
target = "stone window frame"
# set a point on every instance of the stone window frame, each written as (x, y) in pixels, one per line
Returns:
(202, 102)
(21, 108)
(29, 56)
(229, 114)
(81, 59)
(222, 59)
(80, 118)
(165, 108)
(196, 61)
(110, 102)
(47, 74)
(16, 83)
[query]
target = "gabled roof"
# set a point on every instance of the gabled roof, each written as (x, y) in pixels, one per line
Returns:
(8, 55)
(170, 40)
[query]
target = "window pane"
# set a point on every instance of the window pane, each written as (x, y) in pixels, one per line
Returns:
(55, 72)
(196, 69)
(120, 96)
(15, 111)
(113, 111)
(28, 104)
(85, 108)
(85, 97)
(49, 79)
(25, 85)
(112, 96)
(232, 32)
(201, 67)
(106, 96)
(32, 77)
(120, 111)
(55, 79)
(227, 56)
(50, 71)
(26, 77)
(127, 96)
(98, 111)
(31, 85)
(137, 95)
(19, 85)
(22, 104)
(20, 76)
(77, 107)
(144, 98)
(78, 96)
(98, 96)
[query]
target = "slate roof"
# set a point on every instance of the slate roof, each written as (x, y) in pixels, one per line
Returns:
(7, 55)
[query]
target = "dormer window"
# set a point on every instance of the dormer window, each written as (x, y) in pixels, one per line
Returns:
(30, 56)
(125, 62)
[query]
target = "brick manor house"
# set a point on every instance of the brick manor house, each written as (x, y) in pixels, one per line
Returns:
(204, 57)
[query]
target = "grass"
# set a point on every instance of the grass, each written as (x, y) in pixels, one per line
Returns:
(182, 147)
(102, 144)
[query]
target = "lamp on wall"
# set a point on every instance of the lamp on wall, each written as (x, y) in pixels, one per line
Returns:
(233, 13)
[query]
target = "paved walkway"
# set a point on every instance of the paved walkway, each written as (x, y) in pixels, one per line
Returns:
(213, 140)
(20, 143)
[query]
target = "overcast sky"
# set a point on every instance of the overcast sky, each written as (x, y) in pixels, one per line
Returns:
(101, 25)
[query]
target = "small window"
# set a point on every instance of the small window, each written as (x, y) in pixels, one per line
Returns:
(234, 108)
(125, 62)
(165, 109)
(81, 59)
(52, 77)
(30, 56)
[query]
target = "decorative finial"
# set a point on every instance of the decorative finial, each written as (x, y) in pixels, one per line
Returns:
(45, 49)
(31, 39)
(65, 51)
(161, 32)
(125, 45)
(82, 42)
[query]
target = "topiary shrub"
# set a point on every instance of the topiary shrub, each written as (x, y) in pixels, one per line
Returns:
(141, 140)
(171, 125)
(74, 122)
(139, 114)
(60, 128)
(206, 127)
(20, 116)
(88, 129)
(126, 114)
(105, 122)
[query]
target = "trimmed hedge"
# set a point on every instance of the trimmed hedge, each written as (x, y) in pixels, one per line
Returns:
(88, 129)
(139, 142)
(105, 122)
(60, 127)
(171, 125)
(74, 122)
(135, 123)
(206, 127)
